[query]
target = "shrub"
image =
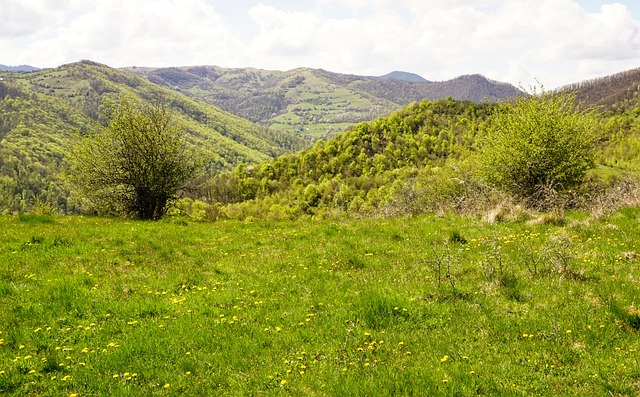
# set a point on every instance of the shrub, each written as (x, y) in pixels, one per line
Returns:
(537, 147)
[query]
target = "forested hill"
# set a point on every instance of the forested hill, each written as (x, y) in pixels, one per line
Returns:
(614, 92)
(415, 159)
(364, 167)
(315, 101)
(42, 112)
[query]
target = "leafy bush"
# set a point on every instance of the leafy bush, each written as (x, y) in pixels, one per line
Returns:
(538, 146)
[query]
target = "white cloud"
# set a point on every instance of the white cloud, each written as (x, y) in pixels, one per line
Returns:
(284, 33)
(20, 18)
(557, 41)
(123, 32)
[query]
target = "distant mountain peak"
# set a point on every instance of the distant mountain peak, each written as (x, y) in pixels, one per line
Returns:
(404, 76)
(19, 68)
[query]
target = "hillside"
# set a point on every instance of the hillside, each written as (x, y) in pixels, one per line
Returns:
(614, 92)
(616, 99)
(417, 159)
(314, 101)
(42, 112)
(364, 169)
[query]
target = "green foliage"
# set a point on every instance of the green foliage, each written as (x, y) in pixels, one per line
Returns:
(41, 113)
(537, 145)
(363, 170)
(136, 165)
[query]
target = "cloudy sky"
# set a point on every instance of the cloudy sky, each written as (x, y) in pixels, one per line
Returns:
(518, 41)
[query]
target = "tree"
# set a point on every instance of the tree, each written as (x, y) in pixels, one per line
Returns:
(538, 144)
(136, 165)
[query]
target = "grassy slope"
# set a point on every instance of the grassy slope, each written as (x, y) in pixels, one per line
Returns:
(111, 307)
(319, 108)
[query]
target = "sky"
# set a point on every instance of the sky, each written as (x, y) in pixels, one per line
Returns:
(523, 42)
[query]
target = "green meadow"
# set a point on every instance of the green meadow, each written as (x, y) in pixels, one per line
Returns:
(430, 305)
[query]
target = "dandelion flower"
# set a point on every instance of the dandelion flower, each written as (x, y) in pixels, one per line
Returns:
(33, 371)
(443, 359)
(283, 382)
(167, 385)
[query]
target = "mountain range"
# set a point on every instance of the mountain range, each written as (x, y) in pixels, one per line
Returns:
(19, 68)
(316, 102)
(43, 112)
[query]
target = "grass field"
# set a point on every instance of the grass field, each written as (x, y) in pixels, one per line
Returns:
(433, 305)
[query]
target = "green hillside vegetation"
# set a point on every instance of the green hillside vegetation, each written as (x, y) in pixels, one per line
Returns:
(419, 159)
(365, 168)
(315, 102)
(42, 112)
(300, 101)
(617, 98)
